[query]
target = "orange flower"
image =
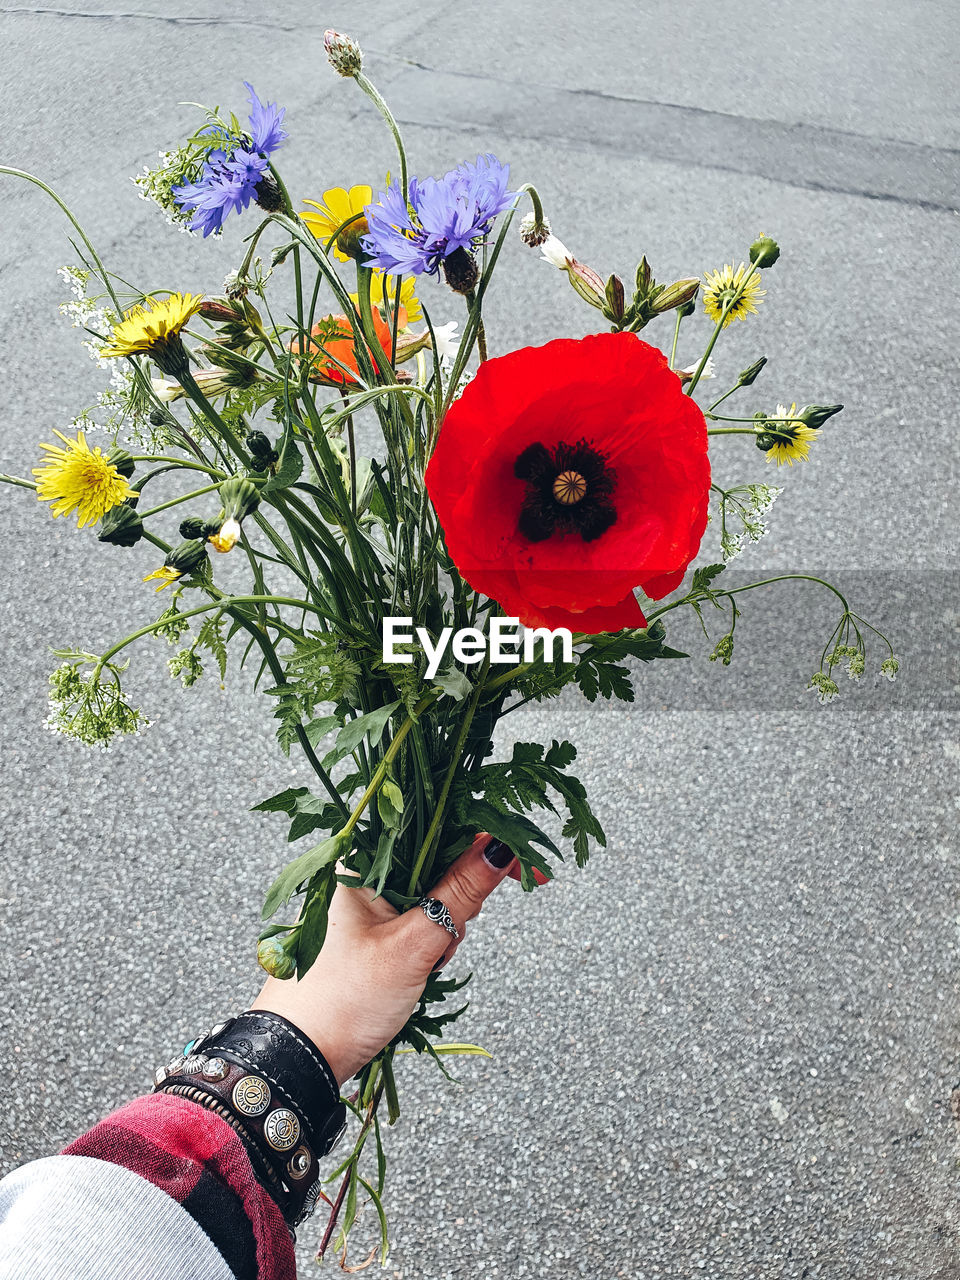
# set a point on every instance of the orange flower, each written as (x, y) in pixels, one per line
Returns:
(332, 345)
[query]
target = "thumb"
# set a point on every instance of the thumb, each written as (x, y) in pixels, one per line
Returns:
(462, 889)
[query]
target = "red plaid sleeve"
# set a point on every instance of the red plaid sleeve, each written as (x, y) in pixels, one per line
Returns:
(198, 1160)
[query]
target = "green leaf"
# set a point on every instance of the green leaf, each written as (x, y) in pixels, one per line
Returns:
(454, 683)
(377, 875)
(210, 636)
(703, 576)
(289, 468)
(384, 1242)
(318, 729)
(302, 869)
(282, 802)
(304, 821)
(313, 918)
(354, 732)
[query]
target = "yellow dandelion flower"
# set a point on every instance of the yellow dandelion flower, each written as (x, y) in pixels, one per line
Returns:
(166, 573)
(151, 328)
(792, 443)
(410, 309)
(731, 288)
(79, 479)
(338, 205)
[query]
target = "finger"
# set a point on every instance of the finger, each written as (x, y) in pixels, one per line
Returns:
(462, 889)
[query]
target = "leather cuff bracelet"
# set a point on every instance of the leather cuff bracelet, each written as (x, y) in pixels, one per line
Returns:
(263, 1076)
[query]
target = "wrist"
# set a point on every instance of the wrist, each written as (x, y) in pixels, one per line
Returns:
(313, 1020)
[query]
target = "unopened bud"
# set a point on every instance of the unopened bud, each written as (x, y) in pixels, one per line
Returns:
(749, 376)
(675, 295)
(193, 527)
(219, 309)
(687, 308)
(189, 555)
(277, 956)
(644, 277)
(120, 526)
(534, 231)
(587, 283)
(815, 415)
(764, 252)
(343, 53)
(614, 296)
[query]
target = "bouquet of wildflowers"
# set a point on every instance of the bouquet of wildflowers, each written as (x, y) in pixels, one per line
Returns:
(525, 523)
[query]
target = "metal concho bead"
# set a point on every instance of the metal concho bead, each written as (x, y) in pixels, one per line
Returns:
(251, 1095)
(298, 1166)
(215, 1069)
(282, 1129)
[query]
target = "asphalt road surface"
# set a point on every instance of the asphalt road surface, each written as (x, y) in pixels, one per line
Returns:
(727, 1048)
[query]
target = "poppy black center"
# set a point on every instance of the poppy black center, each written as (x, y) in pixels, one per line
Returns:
(569, 490)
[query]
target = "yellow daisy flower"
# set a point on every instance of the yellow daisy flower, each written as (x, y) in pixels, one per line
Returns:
(338, 205)
(148, 329)
(79, 479)
(730, 285)
(796, 447)
(409, 301)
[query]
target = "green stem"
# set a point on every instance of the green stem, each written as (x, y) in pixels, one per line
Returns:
(676, 335)
(433, 831)
(387, 114)
(750, 586)
(22, 484)
(197, 493)
(189, 384)
(388, 757)
(689, 388)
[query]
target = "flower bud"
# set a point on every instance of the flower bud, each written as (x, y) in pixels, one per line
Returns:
(343, 53)
(219, 309)
(193, 527)
(614, 295)
(157, 416)
(120, 526)
(277, 956)
(348, 241)
(687, 308)
(815, 415)
(764, 252)
(281, 252)
(262, 452)
(587, 283)
(122, 461)
(534, 232)
(644, 277)
(460, 271)
(749, 376)
(187, 557)
(675, 295)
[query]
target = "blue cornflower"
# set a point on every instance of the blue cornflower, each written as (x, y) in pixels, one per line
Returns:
(236, 172)
(416, 236)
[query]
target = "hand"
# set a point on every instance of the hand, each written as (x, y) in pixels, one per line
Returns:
(374, 963)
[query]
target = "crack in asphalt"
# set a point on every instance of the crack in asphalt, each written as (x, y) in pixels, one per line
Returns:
(795, 154)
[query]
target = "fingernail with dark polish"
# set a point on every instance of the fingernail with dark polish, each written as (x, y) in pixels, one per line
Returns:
(497, 854)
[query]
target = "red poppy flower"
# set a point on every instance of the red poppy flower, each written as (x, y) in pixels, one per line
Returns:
(566, 475)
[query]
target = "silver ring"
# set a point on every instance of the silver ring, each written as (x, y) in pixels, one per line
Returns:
(435, 910)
